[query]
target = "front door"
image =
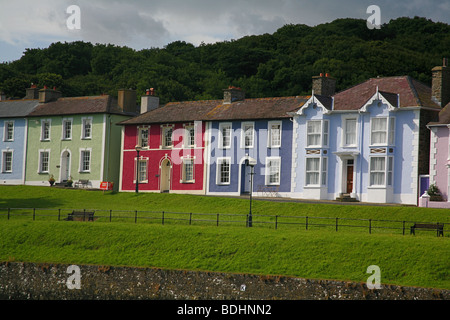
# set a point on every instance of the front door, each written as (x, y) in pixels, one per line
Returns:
(65, 166)
(349, 176)
(165, 176)
(246, 176)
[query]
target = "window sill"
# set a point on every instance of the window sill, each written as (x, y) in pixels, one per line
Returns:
(379, 187)
(314, 187)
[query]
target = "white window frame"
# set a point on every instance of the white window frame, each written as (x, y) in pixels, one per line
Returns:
(219, 171)
(243, 135)
(164, 129)
(389, 132)
(322, 170)
(4, 153)
(40, 163)
(345, 133)
(43, 122)
(270, 134)
(65, 121)
(6, 132)
(388, 172)
(84, 122)
(184, 171)
(324, 135)
(142, 176)
(270, 167)
(188, 143)
(81, 168)
(140, 129)
(222, 126)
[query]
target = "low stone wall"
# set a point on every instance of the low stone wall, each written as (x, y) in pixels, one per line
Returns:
(29, 281)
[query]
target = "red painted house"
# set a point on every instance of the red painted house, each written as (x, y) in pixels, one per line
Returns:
(170, 142)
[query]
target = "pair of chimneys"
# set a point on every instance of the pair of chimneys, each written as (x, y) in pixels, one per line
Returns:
(440, 86)
(44, 95)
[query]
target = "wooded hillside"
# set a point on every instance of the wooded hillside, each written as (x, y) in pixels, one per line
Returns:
(269, 65)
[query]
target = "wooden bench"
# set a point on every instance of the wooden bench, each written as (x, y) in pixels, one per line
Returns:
(268, 191)
(428, 226)
(80, 215)
(81, 182)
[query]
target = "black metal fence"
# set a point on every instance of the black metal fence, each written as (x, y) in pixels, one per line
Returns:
(220, 219)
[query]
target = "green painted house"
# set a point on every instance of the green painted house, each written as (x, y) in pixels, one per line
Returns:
(76, 138)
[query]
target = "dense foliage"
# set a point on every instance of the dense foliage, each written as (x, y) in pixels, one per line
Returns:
(278, 64)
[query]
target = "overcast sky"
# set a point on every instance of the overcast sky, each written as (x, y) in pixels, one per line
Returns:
(155, 23)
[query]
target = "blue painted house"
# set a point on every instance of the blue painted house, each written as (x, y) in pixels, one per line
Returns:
(250, 144)
(369, 142)
(13, 137)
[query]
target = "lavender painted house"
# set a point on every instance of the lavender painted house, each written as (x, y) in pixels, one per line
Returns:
(367, 143)
(250, 136)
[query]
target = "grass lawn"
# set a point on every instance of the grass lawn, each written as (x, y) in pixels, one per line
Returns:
(319, 253)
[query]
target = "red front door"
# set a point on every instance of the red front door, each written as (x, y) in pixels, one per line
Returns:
(349, 178)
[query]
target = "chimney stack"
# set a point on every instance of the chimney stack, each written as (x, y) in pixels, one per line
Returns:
(233, 94)
(149, 102)
(2, 96)
(440, 87)
(32, 92)
(48, 95)
(324, 85)
(127, 100)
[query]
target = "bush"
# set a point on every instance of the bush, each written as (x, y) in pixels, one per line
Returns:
(434, 193)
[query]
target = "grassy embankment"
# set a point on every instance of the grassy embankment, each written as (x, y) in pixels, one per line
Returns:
(290, 250)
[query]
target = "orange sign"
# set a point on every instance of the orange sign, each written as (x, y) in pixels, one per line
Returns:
(106, 185)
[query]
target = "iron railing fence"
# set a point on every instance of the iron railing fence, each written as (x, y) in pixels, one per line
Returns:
(220, 219)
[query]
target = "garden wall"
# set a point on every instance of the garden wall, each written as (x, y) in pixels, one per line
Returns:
(29, 281)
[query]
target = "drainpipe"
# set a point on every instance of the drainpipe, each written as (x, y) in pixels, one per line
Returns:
(361, 126)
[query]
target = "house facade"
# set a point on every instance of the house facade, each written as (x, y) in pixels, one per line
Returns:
(76, 138)
(13, 139)
(367, 143)
(250, 145)
(440, 140)
(205, 146)
(163, 148)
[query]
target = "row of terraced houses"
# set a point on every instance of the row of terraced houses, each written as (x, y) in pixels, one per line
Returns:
(383, 141)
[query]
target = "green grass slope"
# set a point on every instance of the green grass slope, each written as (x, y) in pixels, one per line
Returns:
(319, 253)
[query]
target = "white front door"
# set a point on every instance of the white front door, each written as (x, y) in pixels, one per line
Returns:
(65, 166)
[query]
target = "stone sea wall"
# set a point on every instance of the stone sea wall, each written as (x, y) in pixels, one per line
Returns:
(31, 281)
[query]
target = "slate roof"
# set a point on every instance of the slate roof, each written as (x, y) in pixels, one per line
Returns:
(17, 108)
(79, 105)
(213, 110)
(444, 116)
(412, 93)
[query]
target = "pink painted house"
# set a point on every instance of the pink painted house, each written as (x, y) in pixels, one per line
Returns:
(440, 140)
(170, 142)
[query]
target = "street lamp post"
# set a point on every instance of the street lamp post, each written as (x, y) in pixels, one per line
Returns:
(250, 218)
(138, 149)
